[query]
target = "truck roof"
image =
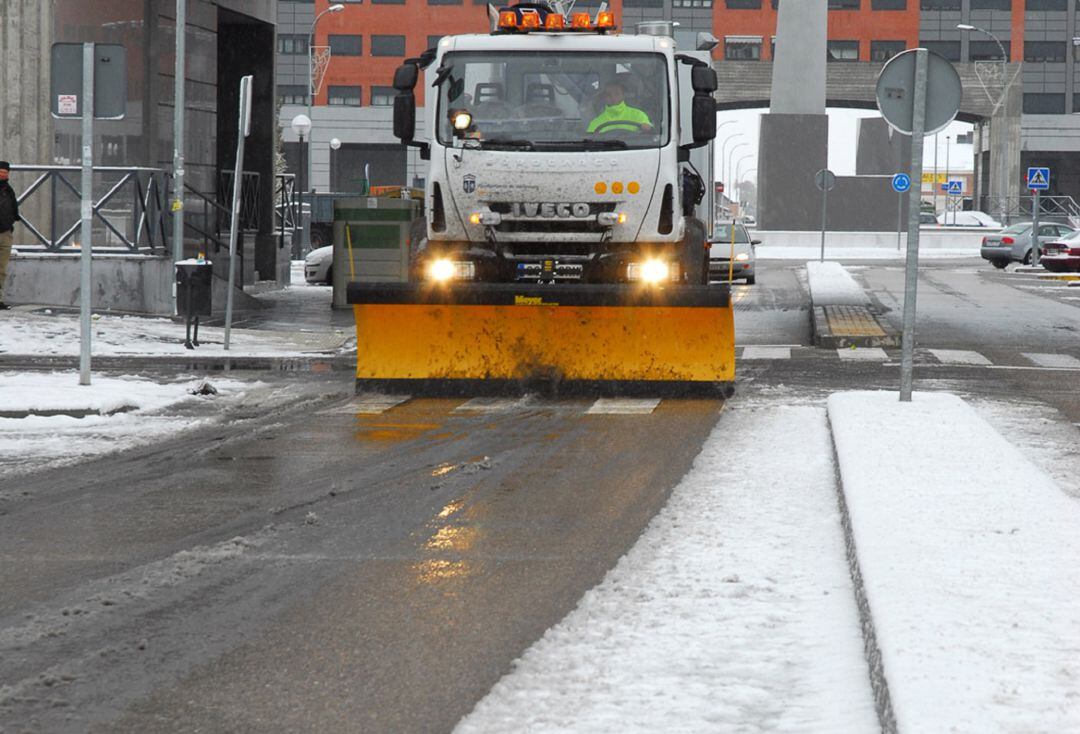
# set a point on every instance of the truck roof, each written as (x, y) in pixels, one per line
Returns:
(555, 42)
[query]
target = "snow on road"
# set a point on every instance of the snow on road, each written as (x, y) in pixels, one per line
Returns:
(38, 441)
(733, 612)
(968, 555)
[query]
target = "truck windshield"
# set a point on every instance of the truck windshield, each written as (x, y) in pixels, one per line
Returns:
(547, 100)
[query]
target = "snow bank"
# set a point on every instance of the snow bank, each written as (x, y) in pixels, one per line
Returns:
(968, 555)
(733, 611)
(42, 391)
(783, 252)
(832, 285)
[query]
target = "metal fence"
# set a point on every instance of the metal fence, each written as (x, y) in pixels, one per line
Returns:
(130, 216)
(1013, 209)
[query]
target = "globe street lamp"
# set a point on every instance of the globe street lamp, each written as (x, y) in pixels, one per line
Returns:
(335, 8)
(301, 127)
(335, 144)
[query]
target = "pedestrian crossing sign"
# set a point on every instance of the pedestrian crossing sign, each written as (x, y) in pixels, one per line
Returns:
(1038, 179)
(956, 188)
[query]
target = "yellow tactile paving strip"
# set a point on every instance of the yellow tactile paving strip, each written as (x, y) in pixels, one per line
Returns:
(1060, 276)
(852, 321)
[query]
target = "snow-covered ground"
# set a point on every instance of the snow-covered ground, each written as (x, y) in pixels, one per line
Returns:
(733, 612)
(831, 285)
(151, 412)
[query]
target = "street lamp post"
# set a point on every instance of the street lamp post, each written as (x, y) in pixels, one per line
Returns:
(948, 193)
(723, 148)
(738, 177)
(301, 127)
(335, 8)
(967, 27)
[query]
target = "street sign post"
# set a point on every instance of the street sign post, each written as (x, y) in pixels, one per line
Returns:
(243, 130)
(824, 180)
(1038, 180)
(87, 81)
(901, 182)
(918, 93)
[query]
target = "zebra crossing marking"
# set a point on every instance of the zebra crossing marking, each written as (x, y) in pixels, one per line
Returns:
(766, 353)
(863, 354)
(1053, 360)
(623, 406)
(959, 356)
(367, 404)
(489, 405)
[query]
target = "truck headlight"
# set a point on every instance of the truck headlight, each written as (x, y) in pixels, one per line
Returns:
(486, 217)
(610, 219)
(444, 269)
(651, 271)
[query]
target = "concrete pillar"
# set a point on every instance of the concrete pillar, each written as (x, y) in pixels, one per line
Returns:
(798, 82)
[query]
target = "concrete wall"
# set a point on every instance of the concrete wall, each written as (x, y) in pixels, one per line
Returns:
(955, 239)
(126, 283)
(792, 149)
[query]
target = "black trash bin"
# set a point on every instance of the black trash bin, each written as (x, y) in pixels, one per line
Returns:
(194, 286)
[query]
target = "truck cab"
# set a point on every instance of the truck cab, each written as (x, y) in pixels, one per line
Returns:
(560, 151)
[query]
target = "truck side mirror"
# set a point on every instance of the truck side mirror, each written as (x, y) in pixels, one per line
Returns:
(405, 116)
(405, 77)
(703, 79)
(703, 117)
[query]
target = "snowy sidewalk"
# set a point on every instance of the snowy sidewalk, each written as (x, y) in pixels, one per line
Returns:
(968, 554)
(733, 612)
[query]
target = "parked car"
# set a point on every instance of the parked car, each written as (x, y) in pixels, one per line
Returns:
(1013, 244)
(318, 265)
(732, 239)
(967, 219)
(927, 218)
(1062, 255)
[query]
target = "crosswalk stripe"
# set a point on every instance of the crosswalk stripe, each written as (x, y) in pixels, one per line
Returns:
(1053, 360)
(766, 353)
(959, 356)
(488, 405)
(865, 354)
(623, 406)
(367, 404)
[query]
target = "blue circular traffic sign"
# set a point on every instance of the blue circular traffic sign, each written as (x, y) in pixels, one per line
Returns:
(901, 182)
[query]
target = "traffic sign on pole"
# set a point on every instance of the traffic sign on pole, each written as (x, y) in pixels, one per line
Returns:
(901, 182)
(955, 188)
(1038, 178)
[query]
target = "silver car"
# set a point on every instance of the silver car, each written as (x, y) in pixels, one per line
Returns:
(731, 252)
(1013, 244)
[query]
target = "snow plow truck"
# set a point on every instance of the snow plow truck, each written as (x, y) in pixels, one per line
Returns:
(568, 206)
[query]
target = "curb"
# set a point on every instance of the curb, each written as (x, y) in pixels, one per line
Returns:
(822, 335)
(316, 364)
(879, 684)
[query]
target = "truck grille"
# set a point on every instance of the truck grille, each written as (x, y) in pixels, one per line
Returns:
(516, 220)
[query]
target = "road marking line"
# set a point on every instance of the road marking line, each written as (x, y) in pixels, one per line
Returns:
(1053, 360)
(766, 353)
(864, 354)
(959, 356)
(488, 405)
(623, 406)
(367, 404)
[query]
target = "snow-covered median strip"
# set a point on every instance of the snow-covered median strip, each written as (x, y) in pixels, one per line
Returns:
(733, 612)
(968, 558)
(39, 441)
(832, 285)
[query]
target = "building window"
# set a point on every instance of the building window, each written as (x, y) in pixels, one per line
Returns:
(888, 5)
(443, 2)
(1046, 5)
(1053, 51)
(387, 2)
(743, 4)
(382, 96)
(885, 50)
(643, 3)
(388, 45)
(949, 49)
(1038, 103)
(742, 48)
(345, 96)
(292, 44)
(292, 94)
(433, 41)
(843, 51)
(844, 4)
(991, 4)
(346, 45)
(939, 4)
(690, 4)
(987, 50)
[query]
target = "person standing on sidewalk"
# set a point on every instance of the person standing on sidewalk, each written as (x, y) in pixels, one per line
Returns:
(9, 214)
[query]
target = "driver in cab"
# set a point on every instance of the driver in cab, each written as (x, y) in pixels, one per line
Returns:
(617, 111)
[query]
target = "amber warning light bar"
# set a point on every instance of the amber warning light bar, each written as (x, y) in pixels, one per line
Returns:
(529, 20)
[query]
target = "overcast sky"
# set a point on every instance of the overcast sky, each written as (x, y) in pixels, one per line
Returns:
(742, 140)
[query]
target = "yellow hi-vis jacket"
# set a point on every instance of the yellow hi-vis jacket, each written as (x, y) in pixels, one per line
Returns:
(621, 111)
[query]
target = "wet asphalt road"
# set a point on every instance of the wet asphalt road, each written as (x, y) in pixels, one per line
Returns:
(298, 570)
(301, 571)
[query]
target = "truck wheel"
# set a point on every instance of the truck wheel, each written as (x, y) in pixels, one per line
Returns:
(751, 279)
